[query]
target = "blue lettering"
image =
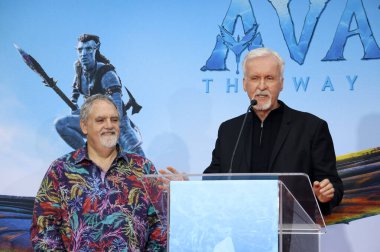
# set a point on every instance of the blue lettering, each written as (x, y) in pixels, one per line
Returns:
(351, 82)
(238, 9)
(328, 84)
(298, 50)
(232, 85)
(207, 82)
(354, 10)
(301, 82)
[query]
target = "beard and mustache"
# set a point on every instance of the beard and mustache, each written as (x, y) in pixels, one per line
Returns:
(109, 138)
(267, 105)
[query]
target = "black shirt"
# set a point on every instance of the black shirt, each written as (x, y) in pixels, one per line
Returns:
(264, 135)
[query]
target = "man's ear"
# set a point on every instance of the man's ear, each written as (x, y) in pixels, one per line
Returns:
(83, 127)
(97, 46)
(244, 85)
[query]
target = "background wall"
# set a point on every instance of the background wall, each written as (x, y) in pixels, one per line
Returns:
(158, 49)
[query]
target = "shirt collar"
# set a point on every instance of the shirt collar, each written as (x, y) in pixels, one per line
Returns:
(81, 154)
(277, 111)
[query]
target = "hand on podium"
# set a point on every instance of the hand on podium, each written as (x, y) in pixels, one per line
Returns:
(324, 190)
(171, 174)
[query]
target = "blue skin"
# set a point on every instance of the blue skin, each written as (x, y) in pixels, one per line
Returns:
(68, 126)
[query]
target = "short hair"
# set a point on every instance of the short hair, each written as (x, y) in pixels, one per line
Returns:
(262, 51)
(89, 102)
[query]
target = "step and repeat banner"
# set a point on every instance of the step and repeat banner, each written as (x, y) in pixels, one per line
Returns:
(181, 62)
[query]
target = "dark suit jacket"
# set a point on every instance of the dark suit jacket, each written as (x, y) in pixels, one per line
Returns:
(303, 145)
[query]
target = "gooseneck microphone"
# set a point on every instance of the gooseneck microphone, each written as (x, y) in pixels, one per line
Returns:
(253, 103)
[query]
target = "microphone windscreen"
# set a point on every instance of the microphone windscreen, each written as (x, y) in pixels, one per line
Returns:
(253, 102)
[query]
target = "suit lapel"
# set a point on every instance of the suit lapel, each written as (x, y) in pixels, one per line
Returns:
(282, 134)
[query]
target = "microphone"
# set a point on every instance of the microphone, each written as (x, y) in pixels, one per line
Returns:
(252, 103)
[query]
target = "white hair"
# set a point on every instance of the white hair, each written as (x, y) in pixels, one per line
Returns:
(262, 51)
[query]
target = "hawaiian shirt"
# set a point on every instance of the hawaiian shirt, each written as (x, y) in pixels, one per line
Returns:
(80, 208)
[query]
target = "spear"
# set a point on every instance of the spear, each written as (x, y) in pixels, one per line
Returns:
(49, 82)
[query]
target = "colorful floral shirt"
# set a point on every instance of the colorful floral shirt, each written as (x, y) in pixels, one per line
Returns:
(80, 208)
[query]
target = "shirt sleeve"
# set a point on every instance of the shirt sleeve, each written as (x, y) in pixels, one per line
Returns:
(324, 165)
(47, 217)
(215, 165)
(157, 232)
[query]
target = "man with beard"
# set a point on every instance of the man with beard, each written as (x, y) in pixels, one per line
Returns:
(95, 75)
(92, 199)
(276, 138)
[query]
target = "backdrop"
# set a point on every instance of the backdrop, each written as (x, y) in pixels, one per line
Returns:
(181, 60)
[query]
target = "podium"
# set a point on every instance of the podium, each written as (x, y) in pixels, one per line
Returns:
(237, 212)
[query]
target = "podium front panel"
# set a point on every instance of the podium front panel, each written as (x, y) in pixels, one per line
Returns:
(237, 212)
(223, 215)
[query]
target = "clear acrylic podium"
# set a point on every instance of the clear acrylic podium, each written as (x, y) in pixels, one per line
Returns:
(237, 212)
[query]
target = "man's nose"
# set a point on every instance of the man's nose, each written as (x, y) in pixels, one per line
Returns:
(262, 85)
(109, 124)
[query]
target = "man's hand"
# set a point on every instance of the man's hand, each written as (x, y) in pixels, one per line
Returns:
(177, 176)
(171, 170)
(324, 190)
(171, 174)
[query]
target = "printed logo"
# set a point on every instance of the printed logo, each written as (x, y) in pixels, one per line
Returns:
(353, 22)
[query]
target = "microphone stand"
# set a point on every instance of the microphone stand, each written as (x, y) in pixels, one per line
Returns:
(253, 103)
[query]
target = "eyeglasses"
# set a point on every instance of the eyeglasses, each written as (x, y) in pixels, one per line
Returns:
(87, 49)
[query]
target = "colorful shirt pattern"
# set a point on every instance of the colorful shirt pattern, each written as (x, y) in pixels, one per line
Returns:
(80, 208)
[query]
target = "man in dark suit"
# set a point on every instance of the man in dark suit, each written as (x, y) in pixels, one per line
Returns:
(276, 138)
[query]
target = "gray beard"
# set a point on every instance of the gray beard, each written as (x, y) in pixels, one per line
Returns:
(109, 141)
(264, 106)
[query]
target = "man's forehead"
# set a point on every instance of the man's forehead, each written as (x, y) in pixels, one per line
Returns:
(267, 62)
(101, 107)
(90, 43)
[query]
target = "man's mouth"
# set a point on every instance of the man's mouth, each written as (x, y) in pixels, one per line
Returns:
(108, 133)
(261, 96)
